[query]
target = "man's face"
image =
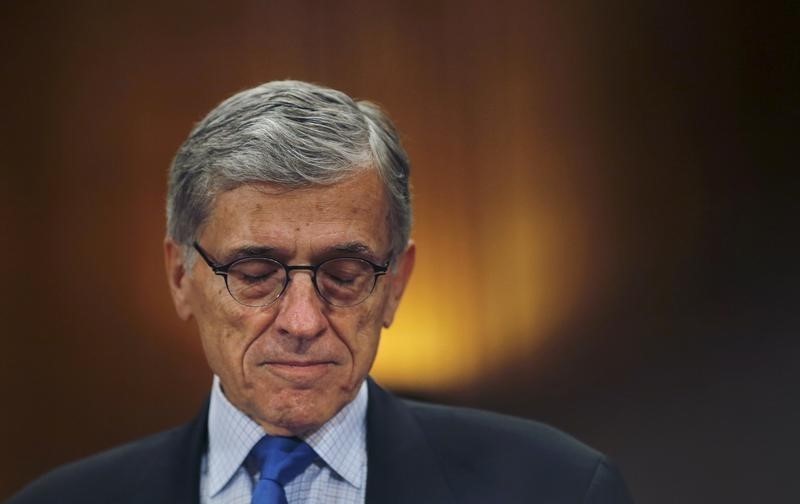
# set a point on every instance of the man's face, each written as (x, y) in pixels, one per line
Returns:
(293, 365)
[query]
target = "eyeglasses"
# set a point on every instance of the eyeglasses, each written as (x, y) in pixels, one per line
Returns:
(260, 281)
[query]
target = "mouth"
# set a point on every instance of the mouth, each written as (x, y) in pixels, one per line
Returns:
(298, 372)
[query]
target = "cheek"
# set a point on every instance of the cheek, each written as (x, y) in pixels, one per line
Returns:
(360, 334)
(226, 330)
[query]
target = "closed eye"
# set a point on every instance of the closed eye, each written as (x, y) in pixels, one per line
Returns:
(251, 279)
(341, 280)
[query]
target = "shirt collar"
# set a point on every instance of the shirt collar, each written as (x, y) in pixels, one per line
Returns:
(341, 442)
(231, 436)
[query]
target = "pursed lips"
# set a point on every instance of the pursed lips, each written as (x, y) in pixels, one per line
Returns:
(293, 362)
(298, 371)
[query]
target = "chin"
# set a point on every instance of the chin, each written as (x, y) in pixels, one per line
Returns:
(296, 412)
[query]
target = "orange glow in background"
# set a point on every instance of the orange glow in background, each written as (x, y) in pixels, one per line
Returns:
(499, 264)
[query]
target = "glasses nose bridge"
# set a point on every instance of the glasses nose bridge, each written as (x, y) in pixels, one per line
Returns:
(302, 267)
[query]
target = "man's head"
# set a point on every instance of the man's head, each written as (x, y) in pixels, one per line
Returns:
(291, 174)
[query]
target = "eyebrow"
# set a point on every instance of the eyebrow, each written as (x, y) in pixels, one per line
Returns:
(247, 251)
(354, 248)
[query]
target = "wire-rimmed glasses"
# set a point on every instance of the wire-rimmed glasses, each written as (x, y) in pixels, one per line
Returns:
(260, 281)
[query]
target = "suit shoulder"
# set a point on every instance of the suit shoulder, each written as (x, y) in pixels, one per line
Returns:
(107, 476)
(485, 431)
(484, 454)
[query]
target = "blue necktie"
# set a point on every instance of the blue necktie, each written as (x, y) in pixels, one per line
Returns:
(281, 459)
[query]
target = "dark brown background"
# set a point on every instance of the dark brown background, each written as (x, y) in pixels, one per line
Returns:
(673, 127)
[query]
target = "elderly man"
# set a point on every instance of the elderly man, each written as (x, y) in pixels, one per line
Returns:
(288, 221)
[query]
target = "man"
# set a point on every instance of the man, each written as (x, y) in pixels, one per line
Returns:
(288, 221)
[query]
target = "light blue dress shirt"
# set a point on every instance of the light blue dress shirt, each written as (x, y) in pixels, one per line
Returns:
(341, 443)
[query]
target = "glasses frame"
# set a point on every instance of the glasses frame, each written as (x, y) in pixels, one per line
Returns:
(223, 269)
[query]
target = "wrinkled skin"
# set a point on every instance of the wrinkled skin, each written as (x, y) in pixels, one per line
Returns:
(293, 365)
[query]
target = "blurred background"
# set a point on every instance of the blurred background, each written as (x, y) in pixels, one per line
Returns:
(605, 204)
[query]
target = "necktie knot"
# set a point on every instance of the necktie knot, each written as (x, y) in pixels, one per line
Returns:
(280, 459)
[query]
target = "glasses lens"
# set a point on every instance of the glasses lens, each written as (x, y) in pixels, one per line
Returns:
(256, 282)
(345, 282)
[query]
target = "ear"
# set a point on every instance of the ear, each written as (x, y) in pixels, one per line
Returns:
(398, 276)
(178, 278)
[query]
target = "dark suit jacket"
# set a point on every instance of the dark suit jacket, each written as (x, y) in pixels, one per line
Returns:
(417, 453)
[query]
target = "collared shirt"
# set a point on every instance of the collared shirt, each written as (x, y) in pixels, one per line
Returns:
(227, 477)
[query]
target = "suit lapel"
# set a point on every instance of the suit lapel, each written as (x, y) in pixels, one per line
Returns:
(175, 470)
(187, 487)
(401, 465)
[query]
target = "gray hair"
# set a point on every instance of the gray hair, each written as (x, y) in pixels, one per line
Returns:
(289, 133)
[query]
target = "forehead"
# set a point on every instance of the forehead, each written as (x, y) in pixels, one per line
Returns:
(354, 210)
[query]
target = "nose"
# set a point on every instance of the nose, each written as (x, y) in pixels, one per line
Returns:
(300, 308)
